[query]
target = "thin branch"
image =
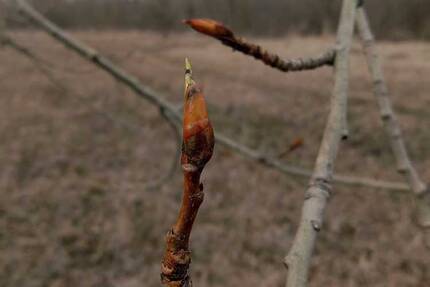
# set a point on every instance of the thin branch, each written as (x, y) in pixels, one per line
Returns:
(298, 259)
(169, 110)
(404, 164)
(46, 70)
(198, 144)
(39, 64)
(220, 32)
(174, 163)
(94, 57)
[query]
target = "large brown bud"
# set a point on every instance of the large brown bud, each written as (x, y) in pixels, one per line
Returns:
(198, 135)
(210, 27)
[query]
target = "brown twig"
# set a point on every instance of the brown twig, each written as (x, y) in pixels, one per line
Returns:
(220, 32)
(197, 149)
(317, 195)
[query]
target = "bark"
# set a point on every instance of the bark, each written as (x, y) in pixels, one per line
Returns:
(392, 127)
(298, 259)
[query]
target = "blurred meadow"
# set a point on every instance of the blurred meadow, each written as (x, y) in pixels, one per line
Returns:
(78, 151)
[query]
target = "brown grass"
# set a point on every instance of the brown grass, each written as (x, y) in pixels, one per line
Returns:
(74, 210)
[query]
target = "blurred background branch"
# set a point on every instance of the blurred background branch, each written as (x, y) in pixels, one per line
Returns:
(394, 19)
(170, 113)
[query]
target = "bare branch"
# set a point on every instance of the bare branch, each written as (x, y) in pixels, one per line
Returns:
(218, 31)
(39, 64)
(318, 193)
(174, 163)
(169, 110)
(404, 164)
(198, 144)
(94, 57)
(46, 70)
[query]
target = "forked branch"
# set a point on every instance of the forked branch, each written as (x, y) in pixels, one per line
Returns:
(299, 257)
(169, 111)
(197, 149)
(220, 32)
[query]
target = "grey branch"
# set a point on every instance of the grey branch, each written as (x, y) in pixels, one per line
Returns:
(44, 68)
(404, 164)
(39, 64)
(174, 163)
(170, 111)
(299, 257)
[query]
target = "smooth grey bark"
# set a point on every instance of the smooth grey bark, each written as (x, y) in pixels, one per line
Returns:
(298, 259)
(392, 127)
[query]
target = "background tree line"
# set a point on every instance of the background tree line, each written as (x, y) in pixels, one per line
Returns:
(394, 19)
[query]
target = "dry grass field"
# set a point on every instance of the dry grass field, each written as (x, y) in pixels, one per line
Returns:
(76, 160)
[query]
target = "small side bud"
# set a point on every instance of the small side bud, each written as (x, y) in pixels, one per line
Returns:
(210, 27)
(296, 144)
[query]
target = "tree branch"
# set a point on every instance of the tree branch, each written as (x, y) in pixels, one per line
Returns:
(38, 63)
(169, 111)
(198, 143)
(46, 69)
(220, 32)
(173, 166)
(298, 259)
(404, 164)
(94, 57)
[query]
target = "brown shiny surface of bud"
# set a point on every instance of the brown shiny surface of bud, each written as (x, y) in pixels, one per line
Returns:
(210, 27)
(198, 135)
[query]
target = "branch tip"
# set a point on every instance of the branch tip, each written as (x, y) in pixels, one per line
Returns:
(197, 148)
(188, 76)
(209, 27)
(226, 36)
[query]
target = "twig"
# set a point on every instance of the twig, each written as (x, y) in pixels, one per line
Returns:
(174, 163)
(170, 111)
(404, 164)
(39, 64)
(8, 41)
(220, 32)
(93, 56)
(46, 70)
(298, 259)
(197, 149)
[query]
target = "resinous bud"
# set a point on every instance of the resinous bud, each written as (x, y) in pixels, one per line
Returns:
(198, 135)
(209, 27)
